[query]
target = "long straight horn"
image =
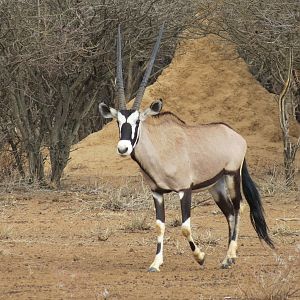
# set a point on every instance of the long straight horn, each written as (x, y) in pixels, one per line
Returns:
(141, 91)
(120, 82)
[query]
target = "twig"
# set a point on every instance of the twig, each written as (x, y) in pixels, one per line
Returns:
(288, 219)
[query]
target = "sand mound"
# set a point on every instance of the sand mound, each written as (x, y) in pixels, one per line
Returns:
(206, 82)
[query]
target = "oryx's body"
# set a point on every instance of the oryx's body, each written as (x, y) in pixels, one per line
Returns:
(177, 157)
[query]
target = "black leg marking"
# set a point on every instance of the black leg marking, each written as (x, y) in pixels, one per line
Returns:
(158, 249)
(192, 245)
(159, 207)
(185, 202)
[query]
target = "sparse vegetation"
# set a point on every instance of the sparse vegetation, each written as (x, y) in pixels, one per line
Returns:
(5, 231)
(285, 234)
(124, 199)
(280, 284)
(273, 182)
(208, 239)
(72, 232)
(176, 222)
(179, 249)
(137, 223)
(102, 234)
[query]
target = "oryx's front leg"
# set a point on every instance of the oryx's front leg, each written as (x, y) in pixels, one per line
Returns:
(185, 201)
(160, 226)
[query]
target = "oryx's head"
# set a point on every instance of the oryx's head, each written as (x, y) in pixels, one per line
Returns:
(129, 120)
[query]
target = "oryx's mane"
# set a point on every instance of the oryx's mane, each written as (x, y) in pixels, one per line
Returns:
(166, 116)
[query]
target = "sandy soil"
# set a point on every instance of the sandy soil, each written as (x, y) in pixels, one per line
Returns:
(84, 242)
(66, 245)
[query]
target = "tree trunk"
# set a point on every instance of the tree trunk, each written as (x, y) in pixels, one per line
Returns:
(59, 156)
(290, 148)
(15, 152)
(290, 151)
(36, 165)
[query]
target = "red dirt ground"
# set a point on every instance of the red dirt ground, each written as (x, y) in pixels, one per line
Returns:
(84, 242)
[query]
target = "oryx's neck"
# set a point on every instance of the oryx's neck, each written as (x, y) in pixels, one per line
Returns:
(145, 152)
(156, 143)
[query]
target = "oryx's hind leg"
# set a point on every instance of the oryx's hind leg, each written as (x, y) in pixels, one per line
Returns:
(185, 202)
(219, 193)
(233, 182)
(160, 226)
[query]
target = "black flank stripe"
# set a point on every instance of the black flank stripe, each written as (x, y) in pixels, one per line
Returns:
(211, 181)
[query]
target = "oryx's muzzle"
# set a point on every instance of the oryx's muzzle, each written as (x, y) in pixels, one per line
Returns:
(124, 147)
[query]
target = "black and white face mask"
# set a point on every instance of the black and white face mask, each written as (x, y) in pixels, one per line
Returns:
(129, 122)
(129, 128)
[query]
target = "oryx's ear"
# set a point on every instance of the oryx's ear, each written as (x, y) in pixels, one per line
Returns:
(153, 110)
(107, 112)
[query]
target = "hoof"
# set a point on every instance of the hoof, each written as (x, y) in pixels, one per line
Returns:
(152, 269)
(226, 266)
(228, 263)
(201, 261)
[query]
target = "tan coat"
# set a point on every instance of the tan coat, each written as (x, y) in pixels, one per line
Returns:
(175, 156)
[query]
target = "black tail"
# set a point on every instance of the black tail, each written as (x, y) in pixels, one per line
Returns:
(256, 210)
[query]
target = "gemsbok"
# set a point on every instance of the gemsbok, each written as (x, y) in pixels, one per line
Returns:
(176, 157)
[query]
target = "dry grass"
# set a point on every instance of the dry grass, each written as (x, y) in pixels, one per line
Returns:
(137, 223)
(105, 196)
(280, 284)
(130, 196)
(207, 239)
(5, 231)
(285, 234)
(178, 248)
(102, 234)
(273, 182)
(176, 222)
(126, 198)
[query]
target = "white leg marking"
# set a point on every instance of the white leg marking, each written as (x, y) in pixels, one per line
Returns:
(181, 194)
(186, 227)
(158, 260)
(186, 231)
(242, 207)
(158, 197)
(231, 252)
(231, 221)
